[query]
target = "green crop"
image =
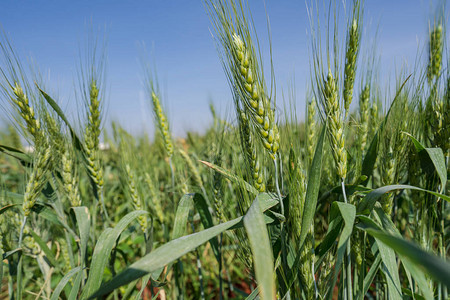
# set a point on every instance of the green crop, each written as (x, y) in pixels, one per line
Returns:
(349, 204)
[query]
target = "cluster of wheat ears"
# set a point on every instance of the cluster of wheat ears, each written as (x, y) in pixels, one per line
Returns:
(346, 205)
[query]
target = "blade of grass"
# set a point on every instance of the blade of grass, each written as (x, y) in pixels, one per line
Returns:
(311, 198)
(63, 282)
(172, 250)
(433, 265)
(48, 253)
(348, 213)
(410, 268)
(207, 221)
(1, 269)
(102, 252)
(390, 270)
(370, 276)
(435, 155)
(164, 255)
(368, 202)
(262, 254)
(239, 181)
(83, 223)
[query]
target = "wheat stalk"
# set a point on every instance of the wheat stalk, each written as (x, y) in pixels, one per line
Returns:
(53, 128)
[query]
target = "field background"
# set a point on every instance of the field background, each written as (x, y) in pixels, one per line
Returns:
(245, 182)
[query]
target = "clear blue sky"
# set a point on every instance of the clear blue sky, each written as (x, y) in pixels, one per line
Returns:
(51, 32)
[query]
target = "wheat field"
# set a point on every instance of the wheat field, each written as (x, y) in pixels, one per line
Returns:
(351, 203)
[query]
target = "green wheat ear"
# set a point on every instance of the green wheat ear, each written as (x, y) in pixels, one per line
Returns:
(254, 99)
(162, 123)
(37, 179)
(435, 47)
(135, 197)
(92, 140)
(364, 115)
(53, 129)
(250, 152)
(69, 176)
(27, 113)
(94, 119)
(311, 130)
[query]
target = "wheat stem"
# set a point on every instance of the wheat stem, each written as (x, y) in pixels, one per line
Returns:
(348, 261)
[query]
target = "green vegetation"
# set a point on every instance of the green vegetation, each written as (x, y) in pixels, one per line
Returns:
(348, 205)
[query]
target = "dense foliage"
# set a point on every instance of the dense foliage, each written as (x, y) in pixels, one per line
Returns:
(348, 204)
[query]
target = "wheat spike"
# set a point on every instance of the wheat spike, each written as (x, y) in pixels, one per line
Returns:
(364, 116)
(253, 97)
(250, 152)
(27, 113)
(162, 123)
(70, 178)
(353, 40)
(37, 179)
(335, 124)
(135, 197)
(311, 130)
(435, 46)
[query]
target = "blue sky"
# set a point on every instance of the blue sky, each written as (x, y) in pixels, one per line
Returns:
(177, 35)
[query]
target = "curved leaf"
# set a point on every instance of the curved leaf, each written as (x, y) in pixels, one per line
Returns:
(22, 157)
(58, 110)
(239, 181)
(102, 251)
(62, 283)
(312, 190)
(164, 255)
(410, 268)
(48, 253)
(181, 217)
(176, 248)
(262, 254)
(205, 217)
(435, 155)
(433, 265)
(83, 223)
(367, 203)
